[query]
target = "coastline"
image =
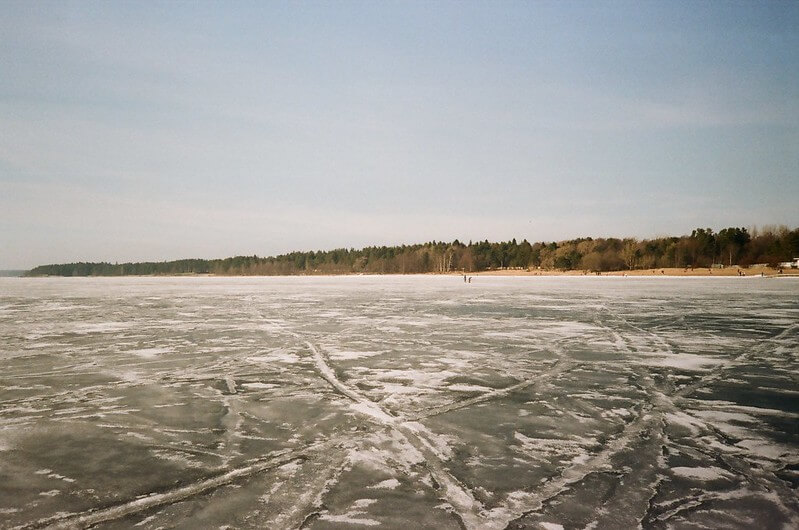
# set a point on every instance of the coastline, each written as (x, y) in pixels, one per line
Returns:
(670, 272)
(665, 272)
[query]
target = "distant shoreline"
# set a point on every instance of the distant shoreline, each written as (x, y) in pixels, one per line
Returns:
(729, 272)
(665, 272)
(701, 253)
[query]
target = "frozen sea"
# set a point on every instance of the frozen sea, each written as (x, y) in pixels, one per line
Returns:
(399, 402)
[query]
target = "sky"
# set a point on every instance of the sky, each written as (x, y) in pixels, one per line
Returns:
(134, 131)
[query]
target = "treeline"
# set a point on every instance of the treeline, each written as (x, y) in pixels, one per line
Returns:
(703, 248)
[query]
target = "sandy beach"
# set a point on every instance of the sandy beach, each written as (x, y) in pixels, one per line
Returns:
(667, 271)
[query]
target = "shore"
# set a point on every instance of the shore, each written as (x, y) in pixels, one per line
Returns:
(666, 271)
(652, 273)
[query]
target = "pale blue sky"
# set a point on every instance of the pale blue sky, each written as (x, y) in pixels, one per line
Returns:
(147, 131)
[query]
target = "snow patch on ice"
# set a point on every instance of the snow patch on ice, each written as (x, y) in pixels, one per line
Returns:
(348, 519)
(345, 355)
(279, 356)
(701, 473)
(624, 413)
(440, 444)
(51, 493)
(686, 361)
(101, 327)
(149, 353)
(469, 388)
(363, 503)
(543, 449)
(146, 520)
(371, 409)
(291, 467)
(258, 386)
(684, 420)
(765, 449)
(388, 484)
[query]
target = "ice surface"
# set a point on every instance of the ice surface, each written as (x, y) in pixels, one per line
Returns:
(334, 402)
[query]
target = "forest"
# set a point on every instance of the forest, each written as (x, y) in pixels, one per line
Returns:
(702, 248)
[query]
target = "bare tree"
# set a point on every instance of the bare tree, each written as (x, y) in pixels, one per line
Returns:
(630, 253)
